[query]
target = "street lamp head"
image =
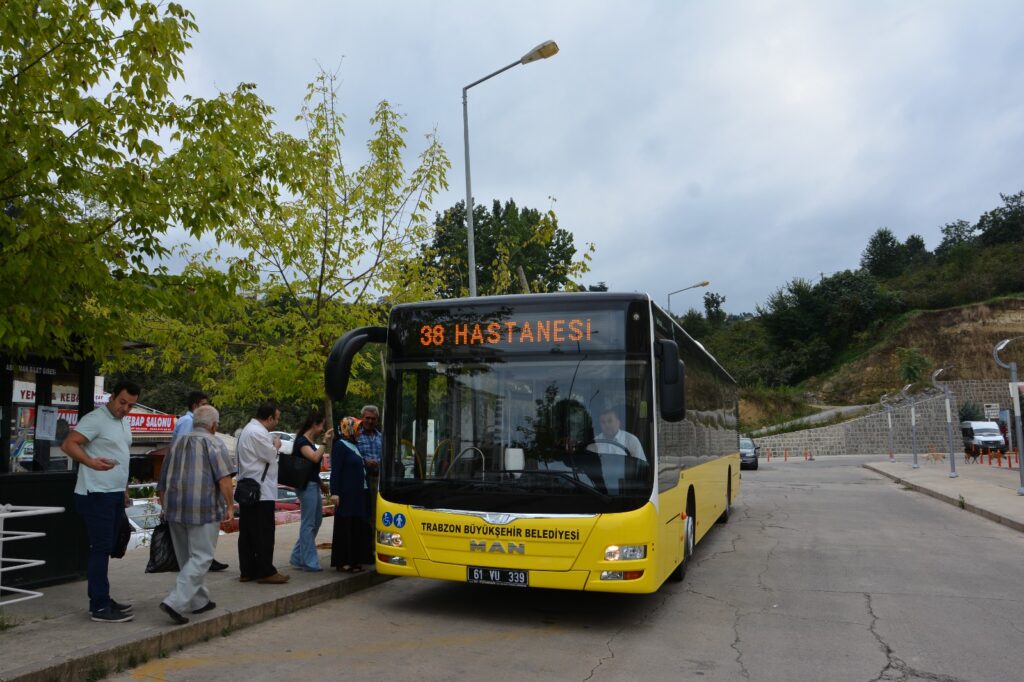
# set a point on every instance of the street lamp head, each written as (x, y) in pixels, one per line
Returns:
(999, 347)
(548, 48)
(1006, 342)
(935, 377)
(678, 291)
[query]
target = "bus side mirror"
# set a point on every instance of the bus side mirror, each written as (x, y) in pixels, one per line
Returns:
(672, 382)
(339, 363)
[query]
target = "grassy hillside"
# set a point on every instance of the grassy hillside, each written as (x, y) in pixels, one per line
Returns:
(962, 336)
(835, 341)
(761, 406)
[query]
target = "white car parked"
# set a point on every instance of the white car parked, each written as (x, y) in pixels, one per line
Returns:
(287, 440)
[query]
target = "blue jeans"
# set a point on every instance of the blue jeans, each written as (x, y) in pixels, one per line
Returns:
(311, 506)
(100, 513)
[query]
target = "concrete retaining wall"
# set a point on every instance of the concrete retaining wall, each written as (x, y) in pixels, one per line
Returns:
(870, 434)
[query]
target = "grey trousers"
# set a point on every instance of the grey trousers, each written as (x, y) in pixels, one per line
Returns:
(194, 546)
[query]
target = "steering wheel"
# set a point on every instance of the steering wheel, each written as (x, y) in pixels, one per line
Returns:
(595, 442)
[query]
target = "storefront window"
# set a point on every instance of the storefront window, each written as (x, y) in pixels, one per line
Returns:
(38, 429)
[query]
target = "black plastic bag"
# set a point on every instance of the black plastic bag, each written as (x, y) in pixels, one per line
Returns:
(161, 551)
(124, 534)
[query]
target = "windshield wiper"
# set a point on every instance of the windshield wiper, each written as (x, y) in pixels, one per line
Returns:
(410, 485)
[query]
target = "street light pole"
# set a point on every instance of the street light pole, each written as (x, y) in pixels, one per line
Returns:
(949, 419)
(542, 51)
(913, 425)
(888, 413)
(692, 286)
(1015, 397)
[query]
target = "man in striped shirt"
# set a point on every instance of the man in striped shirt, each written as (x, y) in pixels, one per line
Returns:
(195, 493)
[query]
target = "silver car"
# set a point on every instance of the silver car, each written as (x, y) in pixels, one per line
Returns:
(748, 453)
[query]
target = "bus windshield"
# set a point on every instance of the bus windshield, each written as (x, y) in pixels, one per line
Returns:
(523, 434)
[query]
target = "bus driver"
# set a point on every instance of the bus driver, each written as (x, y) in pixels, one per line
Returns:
(615, 447)
(614, 441)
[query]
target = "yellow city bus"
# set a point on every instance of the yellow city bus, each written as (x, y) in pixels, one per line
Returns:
(571, 441)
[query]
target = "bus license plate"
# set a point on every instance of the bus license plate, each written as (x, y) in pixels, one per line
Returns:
(497, 576)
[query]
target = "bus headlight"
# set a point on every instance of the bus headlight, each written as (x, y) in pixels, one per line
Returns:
(389, 539)
(625, 552)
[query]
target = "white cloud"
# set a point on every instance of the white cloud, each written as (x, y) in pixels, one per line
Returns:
(742, 142)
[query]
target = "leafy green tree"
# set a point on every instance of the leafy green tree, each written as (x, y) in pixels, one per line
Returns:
(810, 325)
(955, 234)
(695, 324)
(331, 259)
(915, 252)
(746, 351)
(713, 309)
(1004, 224)
(849, 303)
(506, 237)
(792, 312)
(911, 364)
(884, 256)
(971, 411)
(87, 188)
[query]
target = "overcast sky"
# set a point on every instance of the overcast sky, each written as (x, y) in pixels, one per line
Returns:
(746, 143)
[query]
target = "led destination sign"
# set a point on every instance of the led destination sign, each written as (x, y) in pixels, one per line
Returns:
(512, 330)
(522, 332)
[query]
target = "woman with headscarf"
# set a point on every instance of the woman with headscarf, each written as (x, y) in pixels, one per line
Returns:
(349, 495)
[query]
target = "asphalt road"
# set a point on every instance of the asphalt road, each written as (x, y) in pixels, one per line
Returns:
(825, 572)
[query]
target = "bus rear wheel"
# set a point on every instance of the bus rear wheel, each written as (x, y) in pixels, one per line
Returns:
(724, 518)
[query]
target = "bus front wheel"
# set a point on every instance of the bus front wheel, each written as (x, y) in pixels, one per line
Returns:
(689, 538)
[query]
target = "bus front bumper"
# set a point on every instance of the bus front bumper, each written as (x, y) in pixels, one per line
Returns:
(556, 580)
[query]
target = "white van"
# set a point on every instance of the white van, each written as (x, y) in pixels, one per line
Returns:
(982, 436)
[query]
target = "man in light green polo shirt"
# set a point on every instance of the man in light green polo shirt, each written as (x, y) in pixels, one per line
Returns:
(101, 444)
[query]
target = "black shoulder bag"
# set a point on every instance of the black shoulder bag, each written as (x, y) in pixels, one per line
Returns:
(295, 470)
(247, 490)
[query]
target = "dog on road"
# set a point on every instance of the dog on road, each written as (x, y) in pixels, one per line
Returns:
(934, 457)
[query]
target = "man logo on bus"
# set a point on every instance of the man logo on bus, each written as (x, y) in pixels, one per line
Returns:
(497, 547)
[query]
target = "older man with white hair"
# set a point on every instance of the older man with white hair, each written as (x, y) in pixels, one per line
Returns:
(195, 493)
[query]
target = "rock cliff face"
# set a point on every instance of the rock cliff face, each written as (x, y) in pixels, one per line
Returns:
(962, 336)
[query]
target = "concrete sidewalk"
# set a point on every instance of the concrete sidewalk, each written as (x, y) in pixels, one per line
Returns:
(979, 488)
(54, 638)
